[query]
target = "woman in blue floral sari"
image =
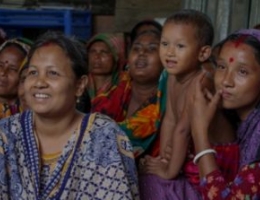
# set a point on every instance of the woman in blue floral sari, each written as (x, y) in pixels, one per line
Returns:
(54, 151)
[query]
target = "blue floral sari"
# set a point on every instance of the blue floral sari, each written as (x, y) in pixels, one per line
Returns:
(96, 163)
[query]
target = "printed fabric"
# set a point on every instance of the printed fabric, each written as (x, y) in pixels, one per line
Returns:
(246, 184)
(142, 127)
(96, 163)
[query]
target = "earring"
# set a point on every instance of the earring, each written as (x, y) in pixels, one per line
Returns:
(78, 100)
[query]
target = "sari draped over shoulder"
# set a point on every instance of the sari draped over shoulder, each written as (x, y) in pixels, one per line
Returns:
(116, 43)
(96, 163)
(142, 127)
(249, 138)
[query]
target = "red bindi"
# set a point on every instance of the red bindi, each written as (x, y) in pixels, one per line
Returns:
(231, 60)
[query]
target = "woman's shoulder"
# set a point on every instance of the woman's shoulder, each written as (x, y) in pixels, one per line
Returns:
(10, 120)
(102, 121)
(10, 125)
(105, 128)
(100, 118)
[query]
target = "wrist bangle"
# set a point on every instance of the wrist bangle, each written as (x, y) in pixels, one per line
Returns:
(202, 153)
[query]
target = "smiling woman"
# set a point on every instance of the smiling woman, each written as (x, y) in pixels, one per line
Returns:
(12, 57)
(52, 151)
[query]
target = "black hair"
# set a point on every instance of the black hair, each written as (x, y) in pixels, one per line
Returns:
(148, 22)
(203, 24)
(157, 34)
(74, 49)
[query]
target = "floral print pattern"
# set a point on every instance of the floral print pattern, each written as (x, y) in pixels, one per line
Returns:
(246, 185)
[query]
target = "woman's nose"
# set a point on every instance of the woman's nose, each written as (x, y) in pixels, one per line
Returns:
(3, 70)
(228, 80)
(41, 81)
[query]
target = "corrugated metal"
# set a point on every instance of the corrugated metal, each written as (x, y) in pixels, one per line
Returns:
(228, 15)
(255, 13)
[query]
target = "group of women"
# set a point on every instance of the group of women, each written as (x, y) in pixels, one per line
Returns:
(49, 149)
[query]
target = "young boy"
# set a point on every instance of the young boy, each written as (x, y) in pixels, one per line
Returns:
(185, 44)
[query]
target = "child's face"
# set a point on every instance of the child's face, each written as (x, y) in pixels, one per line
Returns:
(179, 48)
(238, 76)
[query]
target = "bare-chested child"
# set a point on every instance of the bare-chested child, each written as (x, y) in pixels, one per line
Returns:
(185, 45)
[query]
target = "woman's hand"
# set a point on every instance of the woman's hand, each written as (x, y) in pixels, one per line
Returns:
(204, 106)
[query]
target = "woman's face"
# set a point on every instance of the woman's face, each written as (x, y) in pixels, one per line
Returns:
(238, 76)
(50, 85)
(11, 59)
(144, 61)
(101, 60)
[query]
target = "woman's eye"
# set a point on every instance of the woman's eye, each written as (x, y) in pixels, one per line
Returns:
(53, 73)
(31, 72)
(14, 69)
(164, 43)
(136, 48)
(153, 48)
(243, 72)
(219, 66)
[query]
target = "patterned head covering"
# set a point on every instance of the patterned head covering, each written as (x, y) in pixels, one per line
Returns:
(116, 43)
(23, 43)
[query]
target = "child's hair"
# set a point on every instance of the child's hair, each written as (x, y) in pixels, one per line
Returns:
(203, 24)
(244, 39)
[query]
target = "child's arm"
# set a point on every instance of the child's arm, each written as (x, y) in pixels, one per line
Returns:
(180, 142)
(179, 145)
(181, 136)
(168, 122)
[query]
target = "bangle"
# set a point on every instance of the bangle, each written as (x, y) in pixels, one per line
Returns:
(202, 153)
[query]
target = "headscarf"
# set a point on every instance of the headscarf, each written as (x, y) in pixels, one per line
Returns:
(116, 43)
(252, 32)
(25, 44)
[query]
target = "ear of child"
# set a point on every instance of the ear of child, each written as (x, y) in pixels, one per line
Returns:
(204, 54)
